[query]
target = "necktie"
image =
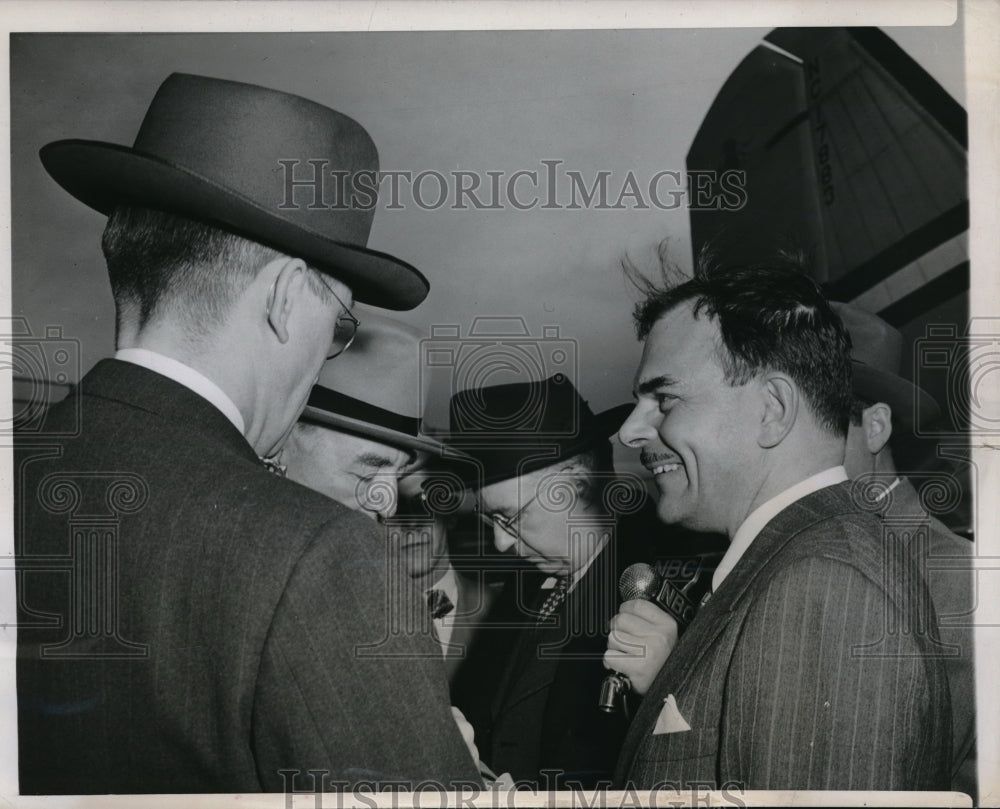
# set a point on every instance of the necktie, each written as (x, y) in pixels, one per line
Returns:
(555, 598)
(438, 603)
(272, 466)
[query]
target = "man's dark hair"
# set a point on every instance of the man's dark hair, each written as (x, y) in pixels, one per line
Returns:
(155, 258)
(771, 317)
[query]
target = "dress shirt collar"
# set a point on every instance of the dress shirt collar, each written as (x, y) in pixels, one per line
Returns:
(449, 583)
(764, 513)
(885, 494)
(444, 626)
(184, 375)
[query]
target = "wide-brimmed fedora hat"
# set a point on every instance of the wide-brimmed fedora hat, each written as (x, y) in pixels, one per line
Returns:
(264, 164)
(877, 360)
(373, 389)
(509, 430)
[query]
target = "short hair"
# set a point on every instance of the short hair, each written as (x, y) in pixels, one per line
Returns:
(771, 316)
(157, 258)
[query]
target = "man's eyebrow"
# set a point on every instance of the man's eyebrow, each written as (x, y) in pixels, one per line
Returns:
(650, 385)
(374, 460)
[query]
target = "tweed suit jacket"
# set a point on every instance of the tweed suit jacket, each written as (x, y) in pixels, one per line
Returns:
(192, 623)
(809, 668)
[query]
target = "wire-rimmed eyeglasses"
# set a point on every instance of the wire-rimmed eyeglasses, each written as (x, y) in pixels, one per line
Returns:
(507, 524)
(346, 327)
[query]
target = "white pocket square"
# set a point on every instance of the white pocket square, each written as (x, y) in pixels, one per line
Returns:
(670, 719)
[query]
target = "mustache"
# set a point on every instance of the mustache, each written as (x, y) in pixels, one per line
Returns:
(650, 458)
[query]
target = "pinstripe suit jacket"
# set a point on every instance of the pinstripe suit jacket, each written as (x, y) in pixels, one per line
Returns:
(807, 669)
(950, 583)
(193, 623)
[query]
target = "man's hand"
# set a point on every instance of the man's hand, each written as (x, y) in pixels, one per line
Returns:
(641, 638)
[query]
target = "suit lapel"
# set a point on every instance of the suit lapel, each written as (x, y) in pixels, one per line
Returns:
(535, 664)
(525, 673)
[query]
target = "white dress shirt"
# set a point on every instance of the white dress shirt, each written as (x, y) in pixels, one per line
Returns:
(764, 513)
(187, 376)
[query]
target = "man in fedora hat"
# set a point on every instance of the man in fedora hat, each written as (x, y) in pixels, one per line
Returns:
(361, 427)
(360, 441)
(788, 677)
(541, 469)
(884, 411)
(222, 629)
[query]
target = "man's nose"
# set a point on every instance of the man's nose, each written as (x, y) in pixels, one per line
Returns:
(638, 427)
(381, 498)
(502, 540)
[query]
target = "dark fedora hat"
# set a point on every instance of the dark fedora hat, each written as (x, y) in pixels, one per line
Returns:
(266, 165)
(876, 360)
(372, 389)
(509, 430)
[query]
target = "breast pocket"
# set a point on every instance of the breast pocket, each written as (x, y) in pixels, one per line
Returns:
(677, 758)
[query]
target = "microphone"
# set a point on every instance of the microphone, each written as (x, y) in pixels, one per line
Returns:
(637, 581)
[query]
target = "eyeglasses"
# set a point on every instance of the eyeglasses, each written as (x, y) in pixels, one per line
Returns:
(346, 327)
(507, 524)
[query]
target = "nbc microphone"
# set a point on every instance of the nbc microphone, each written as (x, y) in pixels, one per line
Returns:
(637, 581)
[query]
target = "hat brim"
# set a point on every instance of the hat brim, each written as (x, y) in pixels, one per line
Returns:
(375, 432)
(474, 473)
(103, 175)
(911, 405)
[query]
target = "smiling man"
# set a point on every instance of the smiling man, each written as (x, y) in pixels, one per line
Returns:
(806, 668)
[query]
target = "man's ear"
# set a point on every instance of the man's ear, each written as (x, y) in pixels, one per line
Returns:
(781, 406)
(876, 421)
(288, 283)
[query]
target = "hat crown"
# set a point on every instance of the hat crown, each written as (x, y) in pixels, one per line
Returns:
(550, 407)
(271, 166)
(381, 368)
(877, 364)
(259, 143)
(512, 429)
(874, 342)
(374, 389)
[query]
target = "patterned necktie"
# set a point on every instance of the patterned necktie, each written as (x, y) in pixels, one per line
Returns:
(555, 598)
(438, 603)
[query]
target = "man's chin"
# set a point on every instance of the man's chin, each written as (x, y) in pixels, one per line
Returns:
(670, 511)
(550, 568)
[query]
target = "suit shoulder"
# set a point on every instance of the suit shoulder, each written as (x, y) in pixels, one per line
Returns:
(843, 535)
(293, 509)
